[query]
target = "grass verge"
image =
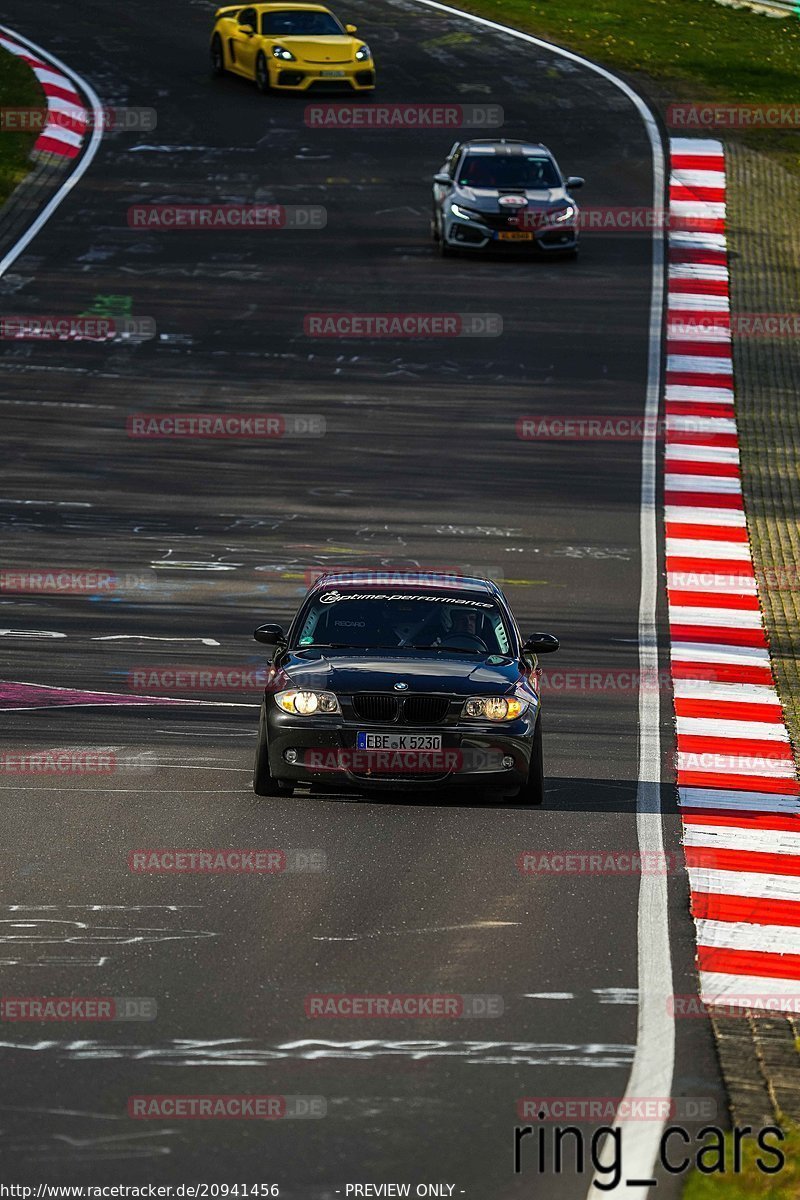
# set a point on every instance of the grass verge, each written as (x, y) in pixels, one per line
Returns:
(751, 1183)
(19, 88)
(688, 49)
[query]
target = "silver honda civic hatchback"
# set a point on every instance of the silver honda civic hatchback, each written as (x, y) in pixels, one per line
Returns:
(497, 195)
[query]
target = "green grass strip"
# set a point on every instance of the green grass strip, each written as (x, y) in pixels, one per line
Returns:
(19, 88)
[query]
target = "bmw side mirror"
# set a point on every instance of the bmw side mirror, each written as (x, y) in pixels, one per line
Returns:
(541, 643)
(270, 635)
(574, 181)
(247, 30)
(443, 178)
(351, 28)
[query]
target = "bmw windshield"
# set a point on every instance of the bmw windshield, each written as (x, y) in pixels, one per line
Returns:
(398, 621)
(502, 171)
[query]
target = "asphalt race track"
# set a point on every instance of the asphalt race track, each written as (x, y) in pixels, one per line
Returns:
(420, 466)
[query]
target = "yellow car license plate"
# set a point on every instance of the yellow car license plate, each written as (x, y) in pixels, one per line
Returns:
(329, 74)
(515, 237)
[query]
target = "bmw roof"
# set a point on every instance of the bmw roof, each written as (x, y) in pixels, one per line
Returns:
(398, 578)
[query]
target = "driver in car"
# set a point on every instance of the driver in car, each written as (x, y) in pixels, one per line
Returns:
(454, 623)
(462, 620)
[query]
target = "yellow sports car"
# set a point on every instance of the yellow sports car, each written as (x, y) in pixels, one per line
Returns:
(290, 47)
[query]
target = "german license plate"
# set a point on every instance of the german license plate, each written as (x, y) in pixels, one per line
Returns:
(515, 237)
(398, 741)
(332, 74)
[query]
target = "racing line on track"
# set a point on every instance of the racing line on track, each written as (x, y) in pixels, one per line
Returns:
(739, 793)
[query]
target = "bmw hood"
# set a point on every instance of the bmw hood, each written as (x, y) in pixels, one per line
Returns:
(441, 673)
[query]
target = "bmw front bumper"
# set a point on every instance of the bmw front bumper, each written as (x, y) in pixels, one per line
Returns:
(326, 753)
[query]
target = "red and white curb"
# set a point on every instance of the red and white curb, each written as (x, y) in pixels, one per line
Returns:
(75, 147)
(738, 787)
(67, 117)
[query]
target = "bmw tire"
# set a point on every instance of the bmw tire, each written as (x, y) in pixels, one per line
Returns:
(264, 782)
(532, 791)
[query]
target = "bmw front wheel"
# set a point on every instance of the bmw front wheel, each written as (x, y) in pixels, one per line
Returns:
(264, 782)
(532, 791)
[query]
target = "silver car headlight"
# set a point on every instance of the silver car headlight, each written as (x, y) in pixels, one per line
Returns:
(305, 704)
(494, 708)
(464, 213)
(562, 214)
(363, 53)
(282, 52)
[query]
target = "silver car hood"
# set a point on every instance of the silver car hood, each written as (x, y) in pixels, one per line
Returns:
(488, 199)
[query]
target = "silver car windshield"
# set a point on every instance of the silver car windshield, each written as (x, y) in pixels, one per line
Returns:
(508, 171)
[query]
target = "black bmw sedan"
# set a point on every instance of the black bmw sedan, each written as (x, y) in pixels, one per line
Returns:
(418, 684)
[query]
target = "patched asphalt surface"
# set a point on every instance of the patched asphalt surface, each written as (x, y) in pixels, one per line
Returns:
(420, 465)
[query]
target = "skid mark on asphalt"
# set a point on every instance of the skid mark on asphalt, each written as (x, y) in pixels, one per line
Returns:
(357, 937)
(239, 1052)
(28, 939)
(147, 637)
(31, 633)
(66, 1140)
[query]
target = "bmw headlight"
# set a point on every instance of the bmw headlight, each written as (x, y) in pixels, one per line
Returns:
(305, 704)
(282, 52)
(494, 708)
(363, 53)
(562, 214)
